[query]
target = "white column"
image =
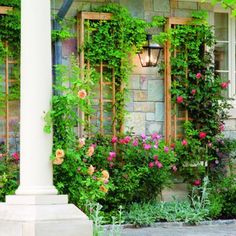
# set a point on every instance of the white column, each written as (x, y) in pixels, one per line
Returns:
(36, 209)
(36, 91)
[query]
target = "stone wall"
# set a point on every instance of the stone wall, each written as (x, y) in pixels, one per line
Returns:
(146, 104)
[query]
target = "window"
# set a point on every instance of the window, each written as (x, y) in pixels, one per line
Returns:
(225, 49)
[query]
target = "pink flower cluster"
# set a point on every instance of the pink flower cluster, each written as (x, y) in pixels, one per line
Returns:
(16, 156)
(112, 155)
(156, 163)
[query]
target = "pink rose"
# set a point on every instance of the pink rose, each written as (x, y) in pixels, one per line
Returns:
(198, 75)
(202, 135)
(179, 99)
(112, 154)
(135, 142)
(114, 139)
(151, 164)
(158, 164)
(166, 149)
(147, 146)
(197, 182)
(174, 168)
(184, 142)
(127, 139)
(16, 156)
(143, 136)
(224, 85)
(193, 92)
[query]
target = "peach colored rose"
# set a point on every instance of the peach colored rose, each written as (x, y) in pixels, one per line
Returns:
(60, 153)
(81, 142)
(58, 161)
(105, 174)
(90, 151)
(103, 189)
(82, 94)
(91, 170)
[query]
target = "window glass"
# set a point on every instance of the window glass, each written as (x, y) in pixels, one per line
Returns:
(221, 26)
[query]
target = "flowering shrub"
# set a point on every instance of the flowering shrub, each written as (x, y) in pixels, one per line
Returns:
(139, 167)
(9, 174)
(115, 171)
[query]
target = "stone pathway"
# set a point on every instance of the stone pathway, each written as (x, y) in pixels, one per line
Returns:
(201, 230)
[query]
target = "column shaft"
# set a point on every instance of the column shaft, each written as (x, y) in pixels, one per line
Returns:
(36, 91)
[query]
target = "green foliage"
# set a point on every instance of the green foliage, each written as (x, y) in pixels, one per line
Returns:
(65, 29)
(139, 172)
(227, 4)
(225, 194)
(9, 174)
(114, 42)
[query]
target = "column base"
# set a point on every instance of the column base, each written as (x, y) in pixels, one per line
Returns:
(43, 219)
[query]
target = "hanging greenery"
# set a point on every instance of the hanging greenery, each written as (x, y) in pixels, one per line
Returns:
(115, 42)
(199, 90)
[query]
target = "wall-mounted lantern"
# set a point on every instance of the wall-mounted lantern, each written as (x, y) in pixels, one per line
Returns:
(150, 53)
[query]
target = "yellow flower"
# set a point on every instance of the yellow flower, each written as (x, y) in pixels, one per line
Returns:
(81, 142)
(90, 151)
(60, 153)
(103, 189)
(58, 161)
(91, 170)
(105, 174)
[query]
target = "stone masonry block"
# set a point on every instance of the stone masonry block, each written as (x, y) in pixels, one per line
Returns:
(140, 96)
(162, 5)
(205, 6)
(135, 7)
(134, 82)
(136, 121)
(144, 106)
(183, 13)
(148, 5)
(143, 82)
(155, 90)
(150, 116)
(154, 127)
(159, 114)
(187, 5)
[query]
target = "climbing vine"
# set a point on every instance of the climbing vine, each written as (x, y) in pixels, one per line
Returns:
(115, 42)
(199, 90)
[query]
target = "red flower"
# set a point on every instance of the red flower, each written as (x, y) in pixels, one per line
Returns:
(193, 92)
(184, 142)
(151, 164)
(197, 182)
(172, 145)
(127, 139)
(114, 139)
(179, 99)
(174, 168)
(224, 85)
(198, 75)
(16, 156)
(202, 135)
(122, 141)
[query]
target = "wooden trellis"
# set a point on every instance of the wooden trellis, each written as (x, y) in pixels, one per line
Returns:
(102, 101)
(172, 121)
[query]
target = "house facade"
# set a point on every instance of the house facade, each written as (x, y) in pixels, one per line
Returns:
(147, 112)
(146, 105)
